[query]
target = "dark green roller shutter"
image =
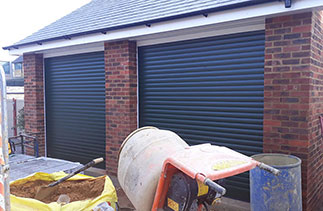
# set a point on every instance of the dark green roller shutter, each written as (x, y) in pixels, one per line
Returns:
(75, 107)
(207, 90)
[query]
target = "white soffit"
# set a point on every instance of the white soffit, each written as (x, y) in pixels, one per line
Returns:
(174, 28)
(186, 34)
(70, 50)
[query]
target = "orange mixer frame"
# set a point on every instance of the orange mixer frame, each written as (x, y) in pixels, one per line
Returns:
(204, 163)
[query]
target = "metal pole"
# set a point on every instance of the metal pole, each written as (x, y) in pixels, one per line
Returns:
(4, 156)
(14, 102)
(22, 144)
(36, 153)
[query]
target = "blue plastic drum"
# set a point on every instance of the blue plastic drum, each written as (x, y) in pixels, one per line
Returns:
(276, 193)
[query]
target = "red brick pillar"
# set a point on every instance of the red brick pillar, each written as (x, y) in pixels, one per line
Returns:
(315, 147)
(293, 96)
(121, 97)
(34, 98)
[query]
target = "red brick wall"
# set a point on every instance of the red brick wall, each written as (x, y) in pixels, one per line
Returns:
(292, 103)
(121, 97)
(34, 98)
(315, 150)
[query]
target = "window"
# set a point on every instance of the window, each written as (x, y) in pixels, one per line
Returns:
(18, 66)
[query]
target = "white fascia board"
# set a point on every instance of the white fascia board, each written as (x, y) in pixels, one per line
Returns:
(187, 34)
(256, 11)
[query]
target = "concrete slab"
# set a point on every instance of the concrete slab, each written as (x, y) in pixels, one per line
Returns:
(227, 204)
(95, 172)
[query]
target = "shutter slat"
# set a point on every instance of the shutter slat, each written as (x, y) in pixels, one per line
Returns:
(75, 107)
(207, 90)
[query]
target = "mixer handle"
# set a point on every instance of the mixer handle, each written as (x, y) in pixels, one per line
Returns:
(214, 186)
(268, 168)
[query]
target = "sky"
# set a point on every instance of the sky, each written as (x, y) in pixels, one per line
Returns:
(21, 18)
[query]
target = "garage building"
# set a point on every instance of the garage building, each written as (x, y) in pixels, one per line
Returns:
(243, 74)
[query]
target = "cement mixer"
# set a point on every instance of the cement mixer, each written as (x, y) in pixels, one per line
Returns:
(159, 171)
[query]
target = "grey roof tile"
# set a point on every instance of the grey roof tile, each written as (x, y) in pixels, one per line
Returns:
(18, 60)
(111, 14)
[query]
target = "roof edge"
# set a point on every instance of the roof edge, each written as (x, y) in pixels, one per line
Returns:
(147, 23)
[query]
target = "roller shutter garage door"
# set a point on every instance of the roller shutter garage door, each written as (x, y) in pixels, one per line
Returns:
(207, 90)
(75, 107)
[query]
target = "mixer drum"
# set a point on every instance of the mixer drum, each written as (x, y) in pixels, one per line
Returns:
(141, 159)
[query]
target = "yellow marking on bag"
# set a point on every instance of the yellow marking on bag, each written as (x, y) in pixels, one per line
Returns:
(172, 204)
